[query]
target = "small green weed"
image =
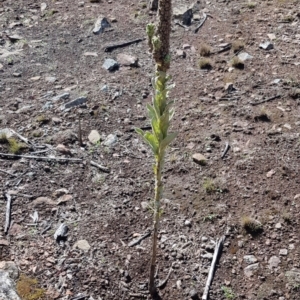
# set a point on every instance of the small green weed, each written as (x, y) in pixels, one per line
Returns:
(28, 290)
(3, 139)
(205, 64)
(15, 147)
(237, 46)
(228, 293)
(237, 63)
(209, 186)
(205, 50)
(42, 119)
(251, 5)
(251, 225)
(210, 218)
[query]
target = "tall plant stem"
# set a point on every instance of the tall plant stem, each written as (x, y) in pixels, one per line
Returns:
(157, 198)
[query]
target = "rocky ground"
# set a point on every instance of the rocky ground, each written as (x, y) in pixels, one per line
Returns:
(61, 98)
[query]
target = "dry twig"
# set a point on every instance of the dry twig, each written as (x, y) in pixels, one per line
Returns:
(8, 211)
(41, 157)
(102, 168)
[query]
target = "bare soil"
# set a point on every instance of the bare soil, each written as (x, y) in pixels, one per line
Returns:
(56, 52)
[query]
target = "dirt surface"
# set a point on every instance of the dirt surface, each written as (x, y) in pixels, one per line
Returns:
(51, 51)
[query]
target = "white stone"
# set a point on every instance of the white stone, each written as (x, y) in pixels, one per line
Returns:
(274, 261)
(82, 245)
(94, 137)
(251, 269)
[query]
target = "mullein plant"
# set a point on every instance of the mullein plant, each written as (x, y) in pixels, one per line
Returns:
(160, 114)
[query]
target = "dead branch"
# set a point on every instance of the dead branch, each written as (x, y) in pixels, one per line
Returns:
(7, 173)
(266, 100)
(138, 240)
(102, 168)
(121, 45)
(8, 211)
(201, 23)
(41, 157)
(164, 282)
(218, 249)
(227, 147)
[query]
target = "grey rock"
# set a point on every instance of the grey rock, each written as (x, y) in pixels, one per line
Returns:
(208, 256)
(94, 137)
(82, 245)
(7, 287)
(76, 102)
(153, 4)
(244, 56)
(204, 239)
(250, 259)
(104, 89)
(61, 232)
(63, 96)
(293, 276)
(110, 140)
(100, 25)
(50, 79)
(64, 137)
(11, 268)
(199, 159)
(110, 65)
(266, 46)
(194, 294)
(251, 269)
(274, 261)
(188, 223)
(47, 105)
(127, 60)
(7, 132)
(144, 205)
(187, 17)
(24, 109)
(283, 252)
(278, 226)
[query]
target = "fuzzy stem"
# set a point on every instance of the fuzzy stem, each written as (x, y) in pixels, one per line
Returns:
(157, 198)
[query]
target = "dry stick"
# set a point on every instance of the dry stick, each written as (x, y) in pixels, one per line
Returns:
(102, 168)
(8, 210)
(42, 157)
(138, 240)
(8, 173)
(164, 282)
(212, 267)
(266, 100)
(227, 147)
(201, 23)
(120, 45)
(26, 141)
(79, 132)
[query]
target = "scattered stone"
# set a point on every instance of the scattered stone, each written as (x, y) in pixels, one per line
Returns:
(100, 25)
(187, 17)
(36, 78)
(271, 173)
(293, 277)
(186, 46)
(1, 66)
(7, 132)
(199, 159)
(153, 4)
(61, 233)
(250, 259)
(64, 137)
(110, 65)
(204, 239)
(63, 96)
(24, 109)
(11, 268)
(274, 261)
(276, 81)
(251, 269)
(278, 226)
(271, 36)
(127, 60)
(287, 126)
(60, 192)
(42, 201)
(110, 140)
(144, 205)
(17, 74)
(4, 243)
(63, 149)
(64, 199)
(297, 197)
(50, 79)
(188, 223)
(208, 256)
(179, 284)
(94, 137)
(283, 252)
(266, 46)
(90, 54)
(76, 102)
(194, 294)
(243, 56)
(43, 6)
(229, 87)
(82, 245)
(7, 287)
(180, 53)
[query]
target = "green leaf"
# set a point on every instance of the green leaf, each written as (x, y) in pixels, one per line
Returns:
(156, 129)
(151, 112)
(140, 131)
(168, 140)
(152, 141)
